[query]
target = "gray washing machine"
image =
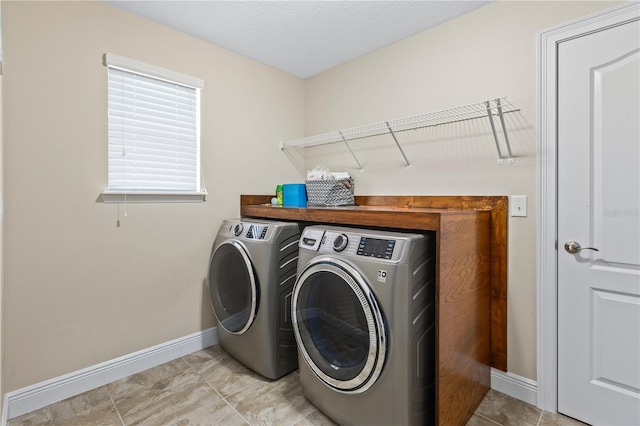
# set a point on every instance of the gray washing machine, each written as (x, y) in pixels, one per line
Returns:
(251, 276)
(364, 320)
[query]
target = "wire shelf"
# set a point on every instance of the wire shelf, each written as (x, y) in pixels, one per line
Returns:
(490, 110)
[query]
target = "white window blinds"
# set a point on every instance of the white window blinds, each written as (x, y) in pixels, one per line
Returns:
(153, 130)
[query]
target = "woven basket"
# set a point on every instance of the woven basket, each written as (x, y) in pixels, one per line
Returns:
(329, 193)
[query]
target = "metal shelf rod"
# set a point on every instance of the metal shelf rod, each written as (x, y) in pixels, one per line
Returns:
(351, 151)
(504, 130)
(398, 145)
(495, 135)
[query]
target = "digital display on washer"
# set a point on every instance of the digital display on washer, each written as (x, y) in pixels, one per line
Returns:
(374, 247)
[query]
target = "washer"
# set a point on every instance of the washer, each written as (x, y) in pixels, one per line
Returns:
(364, 322)
(251, 276)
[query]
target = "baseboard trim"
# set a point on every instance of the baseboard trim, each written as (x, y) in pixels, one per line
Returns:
(36, 396)
(5, 403)
(515, 386)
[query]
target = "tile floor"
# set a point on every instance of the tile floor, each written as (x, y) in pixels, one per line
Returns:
(209, 387)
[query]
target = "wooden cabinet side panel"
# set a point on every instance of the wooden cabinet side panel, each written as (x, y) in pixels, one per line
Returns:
(463, 317)
(499, 249)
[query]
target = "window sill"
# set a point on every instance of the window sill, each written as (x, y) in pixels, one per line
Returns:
(111, 197)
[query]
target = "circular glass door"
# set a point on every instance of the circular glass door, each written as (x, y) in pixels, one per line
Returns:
(233, 287)
(339, 326)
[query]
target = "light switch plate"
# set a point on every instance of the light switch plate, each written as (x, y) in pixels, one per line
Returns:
(519, 205)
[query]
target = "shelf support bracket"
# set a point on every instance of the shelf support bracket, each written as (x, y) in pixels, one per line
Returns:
(495, 134)
(504, 130)
(395, 139)
(351, 151)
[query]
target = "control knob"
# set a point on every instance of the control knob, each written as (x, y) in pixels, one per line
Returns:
(237, 230)
(340, 243)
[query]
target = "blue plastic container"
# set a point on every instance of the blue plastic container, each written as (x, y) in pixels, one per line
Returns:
(294, 195)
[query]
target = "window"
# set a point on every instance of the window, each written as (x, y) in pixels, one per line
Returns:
(153, 133)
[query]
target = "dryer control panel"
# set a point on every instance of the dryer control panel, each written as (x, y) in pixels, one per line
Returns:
(257, 232)
(250, 231)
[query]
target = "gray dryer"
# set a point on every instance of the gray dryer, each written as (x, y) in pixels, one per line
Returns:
(251, 276)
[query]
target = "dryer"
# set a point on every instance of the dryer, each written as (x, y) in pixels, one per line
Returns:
(364, 321)
(251, 276)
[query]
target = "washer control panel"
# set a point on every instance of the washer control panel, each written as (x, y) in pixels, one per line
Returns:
(311, 239)
(375, 247)
(340, 242)
(346, 243)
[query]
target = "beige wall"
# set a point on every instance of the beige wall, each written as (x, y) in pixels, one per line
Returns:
(488, 53)
(1, 249)
(1, 229)
(77, 289)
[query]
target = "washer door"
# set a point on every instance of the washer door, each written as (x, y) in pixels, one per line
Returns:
(339, 327)
(233, 287)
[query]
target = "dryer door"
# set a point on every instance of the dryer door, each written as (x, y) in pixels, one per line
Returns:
(233, 287)
(339, 326)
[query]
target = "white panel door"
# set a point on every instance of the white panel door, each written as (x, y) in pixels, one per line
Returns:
(598, 207)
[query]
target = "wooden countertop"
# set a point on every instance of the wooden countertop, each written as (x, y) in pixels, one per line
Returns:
(423, 218)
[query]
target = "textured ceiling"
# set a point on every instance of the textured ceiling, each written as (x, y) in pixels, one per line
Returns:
(302, 38)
